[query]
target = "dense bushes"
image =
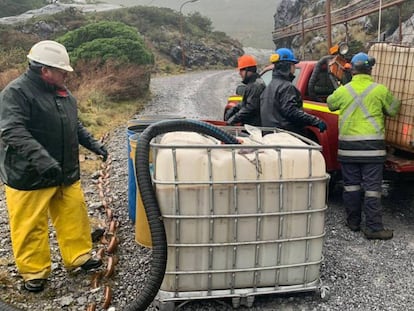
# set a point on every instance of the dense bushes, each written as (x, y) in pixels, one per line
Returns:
(107, 41)
(122, 50)
(110, 52)
(112, 56)
(145, 18)
(203, 23)
(123, 42)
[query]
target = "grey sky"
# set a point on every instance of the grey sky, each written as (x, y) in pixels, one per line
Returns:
(249, 21)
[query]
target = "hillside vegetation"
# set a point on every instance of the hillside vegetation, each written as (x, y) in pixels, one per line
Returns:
(115, 52)
(13, 7)
(359, 32)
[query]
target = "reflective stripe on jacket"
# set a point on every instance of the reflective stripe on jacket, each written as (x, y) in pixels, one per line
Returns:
(363, 106)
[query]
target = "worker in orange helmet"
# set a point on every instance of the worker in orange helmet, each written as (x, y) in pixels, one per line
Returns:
(248, 110)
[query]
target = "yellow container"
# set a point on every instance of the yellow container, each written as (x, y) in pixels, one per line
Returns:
(142, 230)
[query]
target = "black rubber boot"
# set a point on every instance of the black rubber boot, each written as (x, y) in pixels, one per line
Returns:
(353, 227)
(91, 264)
(35, 285)
(384, 234)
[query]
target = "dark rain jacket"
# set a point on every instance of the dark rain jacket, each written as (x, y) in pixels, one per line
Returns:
(38, 130)
(281, 105)
(248, 110)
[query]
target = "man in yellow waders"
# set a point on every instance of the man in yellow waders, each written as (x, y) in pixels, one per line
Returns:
(39, 163)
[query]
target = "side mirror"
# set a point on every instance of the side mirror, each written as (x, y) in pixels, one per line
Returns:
(240, 89)
(343, 48)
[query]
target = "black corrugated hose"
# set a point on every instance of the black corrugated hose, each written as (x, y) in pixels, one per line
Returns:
(156, 224)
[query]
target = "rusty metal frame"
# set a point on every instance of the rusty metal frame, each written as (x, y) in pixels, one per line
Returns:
(339, 16)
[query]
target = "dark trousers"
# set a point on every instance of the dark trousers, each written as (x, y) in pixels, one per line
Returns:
(362, 192)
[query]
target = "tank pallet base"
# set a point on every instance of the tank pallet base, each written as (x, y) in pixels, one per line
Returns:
(169, 301)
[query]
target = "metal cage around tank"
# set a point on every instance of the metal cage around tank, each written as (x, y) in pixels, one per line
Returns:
(241, 220)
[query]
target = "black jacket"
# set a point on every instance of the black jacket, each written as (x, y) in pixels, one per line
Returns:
(38, 129)
(281, 105)
(248, 110)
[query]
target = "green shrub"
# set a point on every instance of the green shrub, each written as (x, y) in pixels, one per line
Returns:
(390, 17)
(119, 49)
(202, 22)
(107, 40)
(145, 17)
(13, 7)
(90, 32)
(12, 58)
(356, 46)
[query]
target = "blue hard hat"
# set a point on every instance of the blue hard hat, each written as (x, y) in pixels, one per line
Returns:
(287, 55)
(362, 60)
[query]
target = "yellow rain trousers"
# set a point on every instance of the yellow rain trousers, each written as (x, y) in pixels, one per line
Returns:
(29, 213)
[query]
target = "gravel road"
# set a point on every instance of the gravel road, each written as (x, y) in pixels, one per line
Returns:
(193, 95)
(361, 274)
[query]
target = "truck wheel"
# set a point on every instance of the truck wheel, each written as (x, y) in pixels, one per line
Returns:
(335, 182)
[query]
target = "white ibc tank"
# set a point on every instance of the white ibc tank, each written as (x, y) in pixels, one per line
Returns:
(394, 67)
(247, 216)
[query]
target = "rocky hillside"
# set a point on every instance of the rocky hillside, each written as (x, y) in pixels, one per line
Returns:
(166, 31)
(108, 91)
(358, 32)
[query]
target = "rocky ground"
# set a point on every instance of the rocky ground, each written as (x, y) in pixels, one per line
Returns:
(360, 274)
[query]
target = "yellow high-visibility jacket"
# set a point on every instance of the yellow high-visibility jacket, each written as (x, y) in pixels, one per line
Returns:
(363, 105)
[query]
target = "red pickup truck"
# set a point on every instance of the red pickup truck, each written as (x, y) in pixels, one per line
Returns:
(400, 158)
(315, 105)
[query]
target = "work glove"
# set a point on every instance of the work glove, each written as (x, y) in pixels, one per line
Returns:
(54, 173)
(101, 150)
(97, 234)
(230, 120)
(322, 126)
(231, 112)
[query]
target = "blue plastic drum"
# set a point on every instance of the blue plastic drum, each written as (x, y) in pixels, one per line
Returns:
(134, 128)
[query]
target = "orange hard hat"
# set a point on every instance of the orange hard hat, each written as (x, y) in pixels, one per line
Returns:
(334, 49)
(245, 61)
